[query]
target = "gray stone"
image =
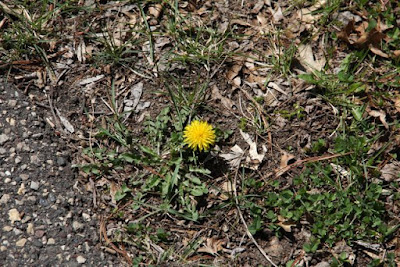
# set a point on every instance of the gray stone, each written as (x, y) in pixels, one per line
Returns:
(4, 198)
(77, 225)
(4, 138)
(61, 161)
(12, 103)
(37, 243)
(35, 159)
(34, 185)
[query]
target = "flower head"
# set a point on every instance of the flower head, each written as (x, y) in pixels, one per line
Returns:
(199, 135)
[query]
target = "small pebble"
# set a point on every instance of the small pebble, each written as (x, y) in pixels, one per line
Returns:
(3, 138)
(86, 216)
(21, 190)
(80, 259)
(34, 185)
(37, 243)
(51, 241)
(24, 177)
(7, 228)
(17, 231)
(39, 233)
(21, 242)
(61, 161)
(29, 229)
(43, 202)
(13, 215)
(77, 225)
(7, 180)
(4, 199)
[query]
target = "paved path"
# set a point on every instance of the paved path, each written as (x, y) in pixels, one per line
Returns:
(46, 219)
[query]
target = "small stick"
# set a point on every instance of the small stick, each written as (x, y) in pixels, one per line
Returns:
(244, 222)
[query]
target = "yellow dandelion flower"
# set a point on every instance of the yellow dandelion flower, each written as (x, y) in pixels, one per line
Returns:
(199, 134)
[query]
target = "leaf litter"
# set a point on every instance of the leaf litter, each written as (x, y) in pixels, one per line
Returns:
(253, 73)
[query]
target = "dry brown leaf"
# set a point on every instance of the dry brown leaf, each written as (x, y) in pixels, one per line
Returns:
(379, 52)
(155, 10)
(346, 31)
(277, 14)
(373, 37)
(226, 102)
(212, 246)
(379, 114)
(396, 53)
(285, 159)
(306, 57)
(234, 157)
(233, 71)
(256, 158)
(305, 14)
(397, 102)
(227, 188)
(113, 190)
(65, 122)
(285, 224)
(391, 172)
(41, 79)
(237, 82)
(257, 7)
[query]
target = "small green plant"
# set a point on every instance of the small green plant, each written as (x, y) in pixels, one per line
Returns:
(173, 171)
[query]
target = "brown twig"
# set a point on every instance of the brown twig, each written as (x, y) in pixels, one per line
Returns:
(244, 222)
(103, 233)
(281, 171)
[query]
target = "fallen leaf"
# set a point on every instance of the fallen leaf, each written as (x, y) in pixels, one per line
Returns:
(212, 246)
(379, 114)
(233, 71)
(397, 103)
(254, 155)
(378, 52)
(226, 102)
(226, 187)
(155, 10)
(277, 14)
(135, 95)
(81, 52)
(91, 80)
(234, 157)
(65, 122)
(285, 159)
(114, 188)
(306, 57)
(285, 224)
(257, 7)
(391, 172)
(373, 37)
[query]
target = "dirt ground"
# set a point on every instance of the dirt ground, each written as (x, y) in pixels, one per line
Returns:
(107, 60)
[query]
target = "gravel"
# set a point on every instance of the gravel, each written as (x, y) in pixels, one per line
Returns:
(47, 219)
